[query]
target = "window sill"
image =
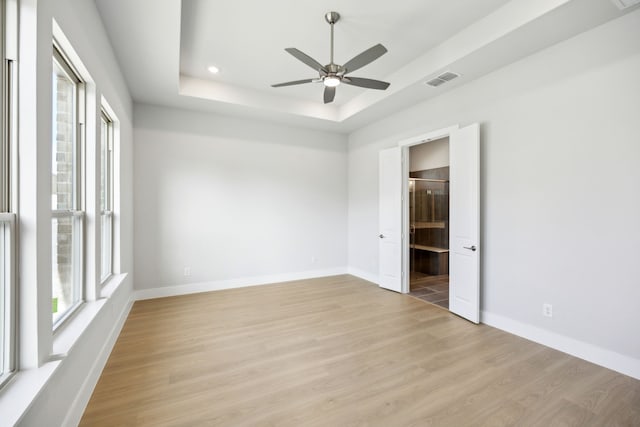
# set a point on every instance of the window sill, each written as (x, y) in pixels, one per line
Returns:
(68, 334)
(112, 284)
(65, 338)
(17, 395)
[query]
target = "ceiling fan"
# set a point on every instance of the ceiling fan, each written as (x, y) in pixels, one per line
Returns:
(331, 75)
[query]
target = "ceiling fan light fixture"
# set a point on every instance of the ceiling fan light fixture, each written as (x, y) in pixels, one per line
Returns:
(331, 81)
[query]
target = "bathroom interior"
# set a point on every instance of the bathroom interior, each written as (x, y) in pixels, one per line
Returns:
(429, 222)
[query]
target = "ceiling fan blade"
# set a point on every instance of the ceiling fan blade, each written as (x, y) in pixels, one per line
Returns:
(301, 56)
(365, 58)
(329, 94)
(368, 83)
(296, 82)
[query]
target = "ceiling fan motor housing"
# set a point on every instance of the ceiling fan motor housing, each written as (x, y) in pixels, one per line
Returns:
(334, 69)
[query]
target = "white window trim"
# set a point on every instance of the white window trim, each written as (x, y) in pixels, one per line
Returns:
(8, 181)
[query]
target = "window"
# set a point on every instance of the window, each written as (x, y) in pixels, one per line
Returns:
(66, 192)
(106, 196)
(7, 216)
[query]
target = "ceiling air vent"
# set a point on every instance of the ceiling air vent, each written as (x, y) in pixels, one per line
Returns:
(623, 4)
(447, 76)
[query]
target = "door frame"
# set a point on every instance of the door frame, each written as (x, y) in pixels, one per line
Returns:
(405, 144)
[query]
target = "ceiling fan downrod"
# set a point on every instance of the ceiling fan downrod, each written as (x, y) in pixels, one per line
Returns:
(332, 18)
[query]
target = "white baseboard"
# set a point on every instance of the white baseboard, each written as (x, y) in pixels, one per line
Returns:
(86, 390)
(589, 352)
(373, 278)
(192, 288)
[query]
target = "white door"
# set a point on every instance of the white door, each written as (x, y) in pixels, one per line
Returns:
(464, 223)
(390, 219)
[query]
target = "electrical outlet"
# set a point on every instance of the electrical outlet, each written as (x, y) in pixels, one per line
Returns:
(547, 310)
(187, 271)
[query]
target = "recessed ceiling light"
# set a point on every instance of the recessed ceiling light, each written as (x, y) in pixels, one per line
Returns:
(213, 69)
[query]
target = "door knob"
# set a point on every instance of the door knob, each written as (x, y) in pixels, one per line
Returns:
(381, 236)
(471, 248)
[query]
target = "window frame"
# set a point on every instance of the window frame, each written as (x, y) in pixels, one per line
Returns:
(9, 332)
(76, 211)
(106, 211)
(8, 217)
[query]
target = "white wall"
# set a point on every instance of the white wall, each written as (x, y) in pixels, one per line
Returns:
(560, 139)
(56, 391)
(429, 155)
(235, 199)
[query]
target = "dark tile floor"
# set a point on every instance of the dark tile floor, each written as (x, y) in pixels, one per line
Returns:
(433, 289)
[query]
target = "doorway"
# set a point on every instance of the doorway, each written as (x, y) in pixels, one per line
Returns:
(429, 221)
(464, 217)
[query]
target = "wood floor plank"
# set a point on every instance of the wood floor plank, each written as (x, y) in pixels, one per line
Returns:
(340, 351)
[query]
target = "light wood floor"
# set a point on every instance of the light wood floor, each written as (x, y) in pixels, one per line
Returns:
(340, 351)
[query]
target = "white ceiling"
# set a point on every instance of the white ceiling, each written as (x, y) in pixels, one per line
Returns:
(165, 46)
(249, 47)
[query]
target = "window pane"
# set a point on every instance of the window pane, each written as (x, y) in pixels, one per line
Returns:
(65, 292)
(107, 233)
(64, 130)
(7, 299)
(104, 169)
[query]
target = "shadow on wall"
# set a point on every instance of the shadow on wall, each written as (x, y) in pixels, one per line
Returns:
(211, 124)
